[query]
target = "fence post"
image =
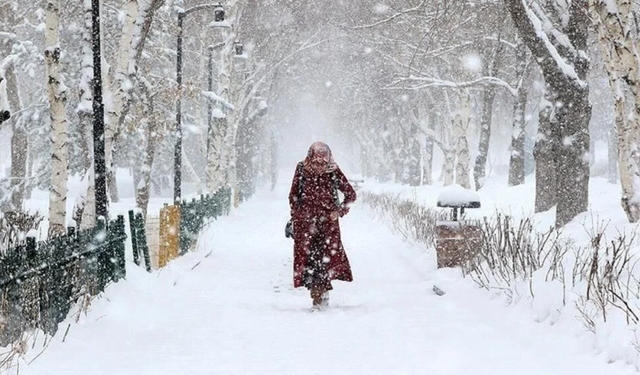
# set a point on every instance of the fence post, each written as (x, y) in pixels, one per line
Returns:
(142, 240)
(75, 277)
(31, 250)
(119, 249)
(185, 221)
(51, 285)
(208, 205)
(134, 239)
(29, 286)
(99, 255)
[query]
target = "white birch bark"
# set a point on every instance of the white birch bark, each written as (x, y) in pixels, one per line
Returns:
(141, 27)
(119, 90)
(446, 146)
(152, 137)
(448, 164)
(85, 113)
(57, 98)
(461, 126)
(88, 219)
(224, 127)
(622, 64)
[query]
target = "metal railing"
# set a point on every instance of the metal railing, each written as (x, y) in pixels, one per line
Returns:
(39, 281)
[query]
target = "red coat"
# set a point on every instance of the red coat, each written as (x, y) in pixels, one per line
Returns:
(313, 215)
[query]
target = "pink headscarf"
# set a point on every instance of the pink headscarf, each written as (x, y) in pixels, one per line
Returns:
(319, 159)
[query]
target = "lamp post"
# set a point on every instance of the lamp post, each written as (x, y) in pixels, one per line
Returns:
(98, 118)
(209, 105)
(219, 14)
(211, 49)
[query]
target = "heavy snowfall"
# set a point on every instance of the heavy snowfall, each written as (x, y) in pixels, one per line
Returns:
(152, 151)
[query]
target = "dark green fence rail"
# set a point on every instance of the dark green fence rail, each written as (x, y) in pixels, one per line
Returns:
(195, 214)
(40, 281)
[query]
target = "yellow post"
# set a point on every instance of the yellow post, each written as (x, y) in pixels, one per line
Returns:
(169, 234)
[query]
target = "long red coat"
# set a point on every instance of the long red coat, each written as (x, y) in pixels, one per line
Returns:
(313, 215)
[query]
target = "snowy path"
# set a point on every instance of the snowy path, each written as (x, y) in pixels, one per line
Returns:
(236, 313)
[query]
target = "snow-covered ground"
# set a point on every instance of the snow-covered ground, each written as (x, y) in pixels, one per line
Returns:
(229, 308)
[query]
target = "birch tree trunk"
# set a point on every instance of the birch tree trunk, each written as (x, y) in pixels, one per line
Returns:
(119, 90)
(488, 97)
(461, 126)
(543, 152)
(619, 51)
(85, 104)
(88, 218)
(447, 147)
(413, 163)
(479, 169)
(449, 162)
(85, 116)
(57, 99)
(152, 136)
(19, 141)
(221, 143)
(516, 160)
(426, 147)
(427, 166)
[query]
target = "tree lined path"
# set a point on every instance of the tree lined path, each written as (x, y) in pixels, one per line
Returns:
(229, 308)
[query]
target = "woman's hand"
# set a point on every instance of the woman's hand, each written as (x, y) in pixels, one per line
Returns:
(340, 212)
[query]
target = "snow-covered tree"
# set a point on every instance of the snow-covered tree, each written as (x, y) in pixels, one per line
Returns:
(615, 26)
(557, 37)
(57, 93)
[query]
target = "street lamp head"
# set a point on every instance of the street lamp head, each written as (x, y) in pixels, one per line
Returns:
(218, 13)
(239, 47)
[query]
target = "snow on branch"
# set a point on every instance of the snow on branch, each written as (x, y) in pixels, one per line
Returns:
(427, 82)
(547, 26)
(308, 44)
(389, 19)
(217, 98)
(537, 24)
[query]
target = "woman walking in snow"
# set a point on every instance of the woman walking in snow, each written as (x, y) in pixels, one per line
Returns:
(318, 254)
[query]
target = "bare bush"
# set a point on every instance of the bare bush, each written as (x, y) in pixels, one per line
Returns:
(14, 226)
(408, 218)
(511, 252)
(611, 276)
(605, 275)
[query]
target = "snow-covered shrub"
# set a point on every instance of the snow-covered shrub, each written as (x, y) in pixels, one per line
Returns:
(513, 251)
(610, 279)
(410, 219)
(14, 226)
(597, 283)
